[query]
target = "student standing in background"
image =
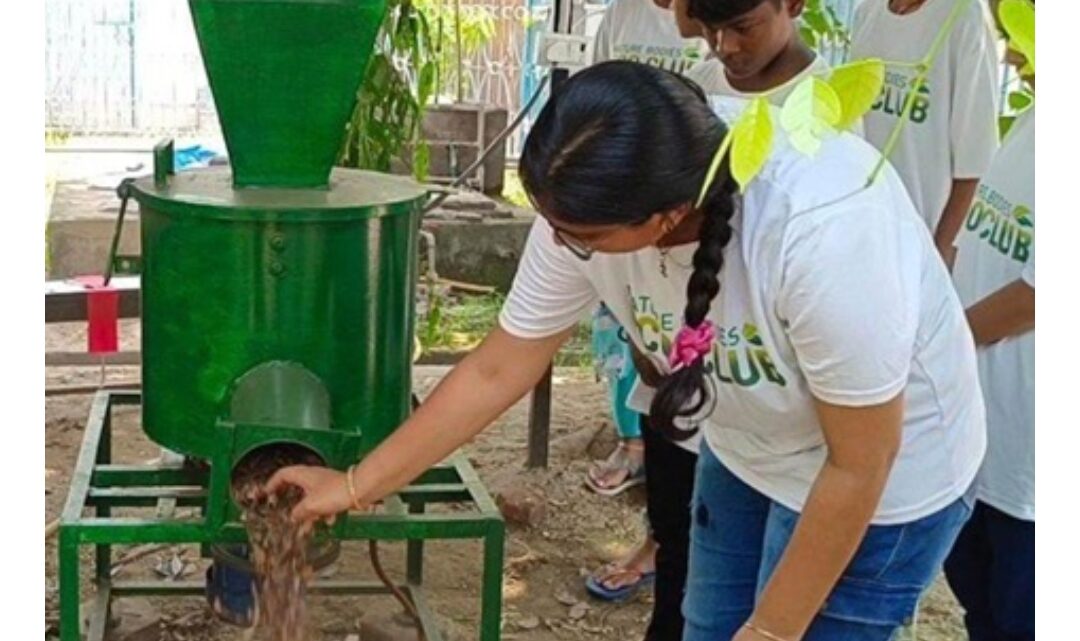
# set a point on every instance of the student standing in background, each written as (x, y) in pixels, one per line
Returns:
(643, 31)
(992, 567)
(952, 131)
(756, 44)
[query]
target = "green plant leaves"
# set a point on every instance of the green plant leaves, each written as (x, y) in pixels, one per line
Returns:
(425, 85)
(751, 142)
(421, 160)
(1018, 20)
(857, 85)
(810, 113)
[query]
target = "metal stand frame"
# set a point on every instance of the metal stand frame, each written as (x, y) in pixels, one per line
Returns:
(100, 485)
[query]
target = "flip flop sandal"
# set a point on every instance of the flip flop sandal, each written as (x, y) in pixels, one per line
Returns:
(619, 460)
(596, 587)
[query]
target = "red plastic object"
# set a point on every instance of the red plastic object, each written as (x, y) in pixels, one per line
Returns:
(102, 312)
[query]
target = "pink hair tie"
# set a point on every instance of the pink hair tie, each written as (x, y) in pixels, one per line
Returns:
(691, 344)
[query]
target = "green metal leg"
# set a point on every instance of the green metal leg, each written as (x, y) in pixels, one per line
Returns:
(414, 551)
(103, 551)
(491, 596)
(68, 549)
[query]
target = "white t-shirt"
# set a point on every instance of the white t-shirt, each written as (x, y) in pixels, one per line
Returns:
(640, 31)
(995, 247)
(840, 298)
(710, 76)
(952, 133)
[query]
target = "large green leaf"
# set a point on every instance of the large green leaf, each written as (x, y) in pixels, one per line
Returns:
(1018, 20)
(858, 85)
(810, 113)
(751, 142)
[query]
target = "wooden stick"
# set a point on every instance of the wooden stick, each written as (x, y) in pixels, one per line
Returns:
(90, 388)
(83, 359)
(467, 287)
(140, 552)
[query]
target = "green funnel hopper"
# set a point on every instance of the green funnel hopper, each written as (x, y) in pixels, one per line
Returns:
(285, 76)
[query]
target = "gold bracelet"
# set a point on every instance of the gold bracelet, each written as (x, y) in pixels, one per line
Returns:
(765, 633)
(352, 487)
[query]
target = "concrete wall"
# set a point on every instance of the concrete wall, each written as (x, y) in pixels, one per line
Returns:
(483, 253)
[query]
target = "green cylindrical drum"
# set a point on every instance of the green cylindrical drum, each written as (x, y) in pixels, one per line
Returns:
(289, 309)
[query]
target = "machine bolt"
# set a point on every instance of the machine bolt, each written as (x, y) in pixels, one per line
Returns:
(277, 242)
(277, 268)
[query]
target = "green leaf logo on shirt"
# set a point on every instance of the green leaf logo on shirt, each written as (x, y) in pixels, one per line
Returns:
(810, 113)
(692, 53)
(750, 333)
(1022, 215)
(857, 85)
(752, 139)
(1019, 100)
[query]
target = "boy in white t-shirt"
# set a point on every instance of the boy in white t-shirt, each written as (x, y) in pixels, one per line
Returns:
(756, 45)
(992, 566)
(952, 131)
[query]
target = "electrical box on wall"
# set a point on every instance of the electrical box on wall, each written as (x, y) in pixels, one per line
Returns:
(567, 51)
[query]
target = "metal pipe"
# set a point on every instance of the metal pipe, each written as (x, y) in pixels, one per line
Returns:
(464, 175)
(429, 238)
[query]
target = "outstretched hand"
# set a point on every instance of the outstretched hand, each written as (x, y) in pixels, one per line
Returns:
(326, 492)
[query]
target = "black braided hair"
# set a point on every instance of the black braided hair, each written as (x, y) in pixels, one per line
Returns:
(617, 143)
(685, 392)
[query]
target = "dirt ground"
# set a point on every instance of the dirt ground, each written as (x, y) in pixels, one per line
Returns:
(545, 564)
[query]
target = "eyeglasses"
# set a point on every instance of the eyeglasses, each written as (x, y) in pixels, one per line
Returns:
(576, 247)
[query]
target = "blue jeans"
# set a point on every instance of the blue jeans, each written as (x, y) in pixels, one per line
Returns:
(739, 534)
